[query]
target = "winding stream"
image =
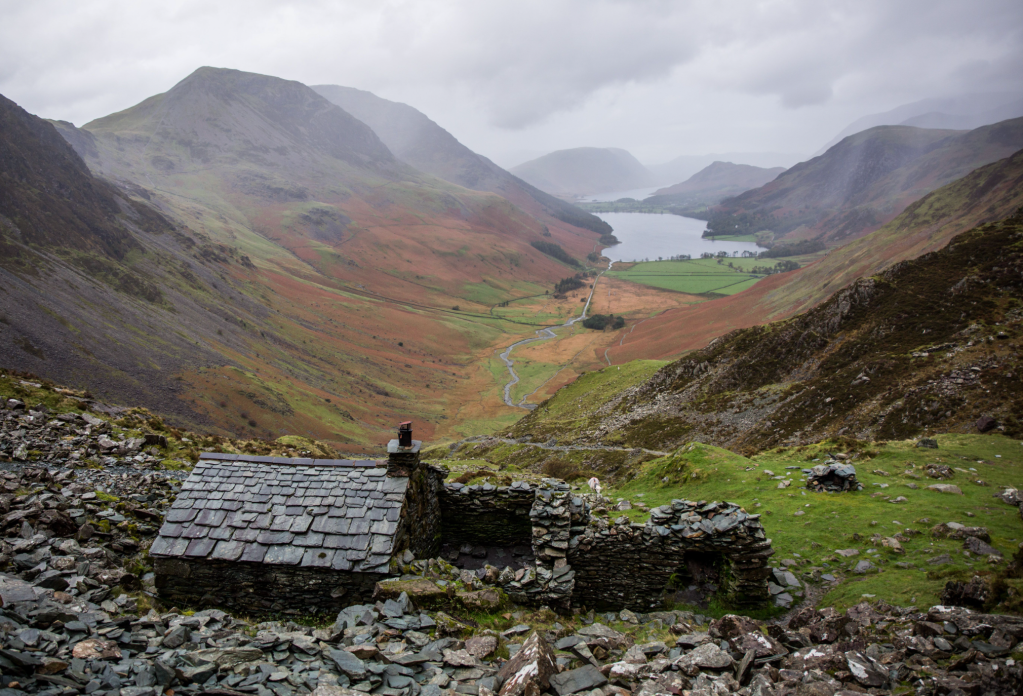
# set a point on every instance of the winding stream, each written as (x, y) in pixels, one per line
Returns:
(541, 335)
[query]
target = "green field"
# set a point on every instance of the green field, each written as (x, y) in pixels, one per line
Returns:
(696, 276)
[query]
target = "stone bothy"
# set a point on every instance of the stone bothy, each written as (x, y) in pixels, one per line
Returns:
(272, 534)
(278, 534)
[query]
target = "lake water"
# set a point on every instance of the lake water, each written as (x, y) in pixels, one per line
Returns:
(648, 236)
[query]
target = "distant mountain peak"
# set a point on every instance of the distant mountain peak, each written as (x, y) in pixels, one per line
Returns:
(585, 170)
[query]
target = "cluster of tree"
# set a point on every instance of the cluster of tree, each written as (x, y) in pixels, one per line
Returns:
(780, 267)
(569, 284)
(555, 251)
(593, 256)
(602, 321)
(805, 246)
(720, 224)
(608, 239)
(628, 205)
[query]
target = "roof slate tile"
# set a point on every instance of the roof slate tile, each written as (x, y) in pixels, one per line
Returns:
(319, 513)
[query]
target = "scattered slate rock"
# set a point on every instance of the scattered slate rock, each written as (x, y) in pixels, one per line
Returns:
(834, 476)
(975, 545)
(863, 567)
(573, 681)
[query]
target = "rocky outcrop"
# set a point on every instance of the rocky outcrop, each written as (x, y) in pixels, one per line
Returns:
(833, 476)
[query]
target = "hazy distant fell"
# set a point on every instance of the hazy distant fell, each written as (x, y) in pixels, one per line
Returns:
(585, 170)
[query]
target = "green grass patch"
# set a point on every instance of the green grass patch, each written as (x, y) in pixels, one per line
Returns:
(576, 401)
(832, 521)
(694, 276)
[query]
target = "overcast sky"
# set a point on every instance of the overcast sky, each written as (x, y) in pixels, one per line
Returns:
(660, 78)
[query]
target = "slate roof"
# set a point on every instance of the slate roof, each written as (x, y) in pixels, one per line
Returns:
(328, 513)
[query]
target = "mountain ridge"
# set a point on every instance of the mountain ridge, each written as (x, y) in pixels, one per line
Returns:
(311, 282)
(417, 140)
(584, 170)
(987, 194)
(864, 181)
(714, 182)
(967, 112)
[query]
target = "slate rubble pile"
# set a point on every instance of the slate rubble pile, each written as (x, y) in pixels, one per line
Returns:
(833, 476)
(56, 643)
(76, 617)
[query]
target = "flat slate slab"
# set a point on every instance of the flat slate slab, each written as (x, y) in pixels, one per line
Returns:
(575, 680)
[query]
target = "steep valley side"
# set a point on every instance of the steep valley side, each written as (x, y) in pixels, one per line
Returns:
(929, 345)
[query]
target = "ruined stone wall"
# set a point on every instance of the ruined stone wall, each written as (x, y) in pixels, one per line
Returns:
(629, 565)
(585, 562)
(419, 527)
(487, 515)
(258, 588)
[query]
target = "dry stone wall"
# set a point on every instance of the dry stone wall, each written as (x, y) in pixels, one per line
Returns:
(420, 523)
(629, 565)
(487, 514)
(584, 561)
(552, 516)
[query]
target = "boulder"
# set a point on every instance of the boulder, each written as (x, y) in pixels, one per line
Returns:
(707, 656)
(864, 567)
(975, 545)
(423, 593)
(731, 626)
(482, 600)
(865, 670)
(986, 424)
(96, 649)
(529, 671)
(481, 646)
(945, 488)
(349, 664)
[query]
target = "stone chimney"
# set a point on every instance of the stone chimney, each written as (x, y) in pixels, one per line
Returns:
(403, 453)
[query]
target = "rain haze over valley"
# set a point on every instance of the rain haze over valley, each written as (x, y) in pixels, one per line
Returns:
(511, 348)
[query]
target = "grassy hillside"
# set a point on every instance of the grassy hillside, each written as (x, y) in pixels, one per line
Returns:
(307, 283)
(929, 345)
(807, 528)
(864, 181)
(418, 141)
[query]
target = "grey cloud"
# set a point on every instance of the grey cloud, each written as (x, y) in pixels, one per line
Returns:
(516, 75)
